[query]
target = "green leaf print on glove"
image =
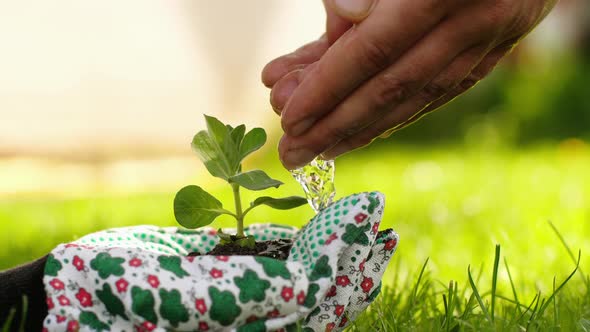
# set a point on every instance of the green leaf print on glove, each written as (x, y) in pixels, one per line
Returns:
(273, 268)
(310, 300)
(356, 234)
(251, 287)
(322, 269)
(224, 309)
(52, 266)
(143, 304)
(113, 304)
(172, 264)
(172, 308)
(107, 265)
(90, 319)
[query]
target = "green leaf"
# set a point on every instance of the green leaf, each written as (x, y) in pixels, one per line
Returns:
(194, 207)
(253, 141)
(223, 237)
(220, 134)
(255, 180)
(247, 242)
(237, 135)
(216, 129)
(211, 155)
(284, 203)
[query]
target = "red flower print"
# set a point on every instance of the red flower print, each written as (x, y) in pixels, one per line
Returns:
(190, 258)
(57, 284)
(212, 232)
(84, 298)
(332, 291)
(44, 330)
(342, 281)
(389, 245)
(148, 326)
(153, 281)
(375, 228)
(251, 319)
(331, 238)
(338, 310)
(78, 263)
(201, 306)
(121, 285)
(367, 284)
(359, 218)
(330, 327)
(301, 297)
(63, 300)
(73, 326)
(50, 304)
(362, 265)
(203, 326)
(222, 258)
(272, 314)
(287, 293)
(135, 262)
(215, 273)
(343, 321)
(60, 319)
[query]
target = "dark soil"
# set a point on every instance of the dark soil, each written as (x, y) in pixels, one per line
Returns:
(277, 249)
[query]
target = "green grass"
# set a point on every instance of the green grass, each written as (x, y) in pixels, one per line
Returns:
(450, 205)
(428, 305)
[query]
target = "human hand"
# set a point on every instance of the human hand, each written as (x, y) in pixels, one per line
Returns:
(404, 60)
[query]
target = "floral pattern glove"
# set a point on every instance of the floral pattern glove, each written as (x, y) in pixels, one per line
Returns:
(141, 279)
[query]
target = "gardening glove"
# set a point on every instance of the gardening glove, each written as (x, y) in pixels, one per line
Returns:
(140, 278)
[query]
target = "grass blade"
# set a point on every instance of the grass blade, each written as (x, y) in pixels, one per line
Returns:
(477, 297)
(534, 311)
(552, 297)
(569, 252)
(495, 279)
(554, 306)
(415, 289)
(25, 309)
(8, 323)
(512, 286)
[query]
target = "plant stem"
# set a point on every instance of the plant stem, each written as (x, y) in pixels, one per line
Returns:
(239, 214)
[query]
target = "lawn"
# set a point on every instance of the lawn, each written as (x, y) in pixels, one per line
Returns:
(449, 205)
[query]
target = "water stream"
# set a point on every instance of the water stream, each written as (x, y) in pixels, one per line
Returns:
(317, 180)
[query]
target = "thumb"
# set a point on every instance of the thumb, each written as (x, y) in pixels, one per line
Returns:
(336, 26)
(352, 10)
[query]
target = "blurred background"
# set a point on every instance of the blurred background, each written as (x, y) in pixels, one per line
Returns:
(99, 102)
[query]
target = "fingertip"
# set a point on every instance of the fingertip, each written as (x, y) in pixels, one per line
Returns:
(283, 149)
(336, 25)
(272, 72)
(300, 59)
(352, 10)
(283, 89)
(294, 156)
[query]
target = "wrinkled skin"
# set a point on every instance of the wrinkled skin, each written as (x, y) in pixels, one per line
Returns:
(384, 64)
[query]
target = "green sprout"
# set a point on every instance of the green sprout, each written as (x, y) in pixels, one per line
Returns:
(222, 148)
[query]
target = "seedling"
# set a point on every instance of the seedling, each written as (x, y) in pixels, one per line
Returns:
(222, 148)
